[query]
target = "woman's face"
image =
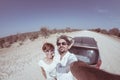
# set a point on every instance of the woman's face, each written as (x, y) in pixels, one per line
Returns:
(49, 53)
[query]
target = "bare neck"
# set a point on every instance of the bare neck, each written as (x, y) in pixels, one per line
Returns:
(62, 55)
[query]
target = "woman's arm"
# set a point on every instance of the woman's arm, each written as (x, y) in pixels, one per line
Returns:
(43, 72)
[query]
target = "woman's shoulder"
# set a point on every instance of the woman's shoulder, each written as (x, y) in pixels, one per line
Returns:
(41, 62)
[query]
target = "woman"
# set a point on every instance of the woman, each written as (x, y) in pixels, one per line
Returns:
(48, 64)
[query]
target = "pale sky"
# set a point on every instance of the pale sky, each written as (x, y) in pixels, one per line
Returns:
(17, 16)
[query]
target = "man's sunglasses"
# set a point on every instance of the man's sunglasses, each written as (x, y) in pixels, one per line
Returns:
(63, 43)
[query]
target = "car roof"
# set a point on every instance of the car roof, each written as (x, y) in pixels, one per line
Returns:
(86, 42)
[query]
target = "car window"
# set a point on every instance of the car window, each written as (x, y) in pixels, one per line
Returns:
(85, 41)
(87, 55)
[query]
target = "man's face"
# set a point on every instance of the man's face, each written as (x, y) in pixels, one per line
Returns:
(62, 46)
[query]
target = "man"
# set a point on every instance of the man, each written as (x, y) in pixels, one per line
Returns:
(65, 58)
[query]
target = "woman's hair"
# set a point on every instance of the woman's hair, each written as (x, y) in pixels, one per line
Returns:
(48, 46)
(65, 38)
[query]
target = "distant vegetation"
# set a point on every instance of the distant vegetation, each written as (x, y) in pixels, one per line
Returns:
(113, 31)
(45, 32)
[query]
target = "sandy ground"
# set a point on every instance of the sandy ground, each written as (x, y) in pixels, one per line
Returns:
(21, 62)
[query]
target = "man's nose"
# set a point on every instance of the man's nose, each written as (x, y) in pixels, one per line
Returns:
(60, 45)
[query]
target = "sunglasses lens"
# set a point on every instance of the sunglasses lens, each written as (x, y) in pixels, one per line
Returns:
(58, 44)
(63, 43)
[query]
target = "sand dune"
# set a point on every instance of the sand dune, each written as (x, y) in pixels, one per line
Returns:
(20, 62)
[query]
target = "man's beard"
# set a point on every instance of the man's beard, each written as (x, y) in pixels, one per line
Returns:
(61, 51)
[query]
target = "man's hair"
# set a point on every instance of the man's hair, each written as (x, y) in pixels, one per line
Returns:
(48, 46)
(65, 38)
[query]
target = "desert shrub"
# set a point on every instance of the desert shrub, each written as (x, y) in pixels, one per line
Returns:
(44, 31)
(21, 37)
(6, 45)
(1, 42)
(76, 29)
(14, 38)
(11, 39)
(61, 30)
(114, 31)
(119, 35)
(54, 31)
(33, 36)
(6, 42)
(68, 29)
(1, 46)
(104, 31)
(96, 30)
(8, 39)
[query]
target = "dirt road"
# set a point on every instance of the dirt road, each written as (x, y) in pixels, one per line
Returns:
(21, 62)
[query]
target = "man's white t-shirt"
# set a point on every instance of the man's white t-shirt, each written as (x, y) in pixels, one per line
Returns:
(64, 73)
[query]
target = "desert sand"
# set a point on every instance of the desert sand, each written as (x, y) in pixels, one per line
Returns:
(21, 62)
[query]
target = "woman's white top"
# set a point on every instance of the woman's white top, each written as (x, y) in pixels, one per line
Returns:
(50, 69)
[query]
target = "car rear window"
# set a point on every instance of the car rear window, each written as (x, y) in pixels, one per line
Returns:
(85, 41)
(89, 56)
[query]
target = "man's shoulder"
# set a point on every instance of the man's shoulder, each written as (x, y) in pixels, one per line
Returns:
(72, 56)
